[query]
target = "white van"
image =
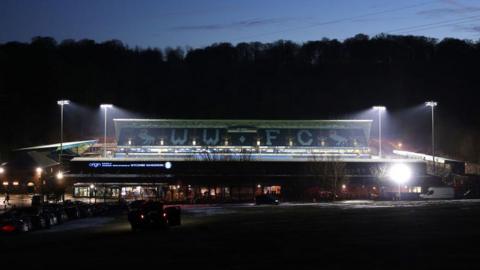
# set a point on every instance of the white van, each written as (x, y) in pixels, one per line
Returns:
(434, 193)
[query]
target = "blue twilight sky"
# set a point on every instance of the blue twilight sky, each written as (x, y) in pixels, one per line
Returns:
(197, 23)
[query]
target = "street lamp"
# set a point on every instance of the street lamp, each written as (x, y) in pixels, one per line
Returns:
(400, 174)
(105, 107)
(432, 105)
(380, 109)
(62, 103)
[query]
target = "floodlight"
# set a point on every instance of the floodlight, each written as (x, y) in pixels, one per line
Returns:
(431, 103)
(380, 108)
(39, 170)
(400, 173)
(106, 106)
(59, 175)
(2, 170)
(63, 102)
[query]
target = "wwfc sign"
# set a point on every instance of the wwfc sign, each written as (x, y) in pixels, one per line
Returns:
(243, 136)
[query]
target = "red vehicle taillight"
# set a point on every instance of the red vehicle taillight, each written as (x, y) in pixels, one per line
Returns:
(7, 228)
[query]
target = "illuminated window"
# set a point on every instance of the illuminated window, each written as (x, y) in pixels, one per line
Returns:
(415, 189)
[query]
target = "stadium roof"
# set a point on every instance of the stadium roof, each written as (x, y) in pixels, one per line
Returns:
(56, 146)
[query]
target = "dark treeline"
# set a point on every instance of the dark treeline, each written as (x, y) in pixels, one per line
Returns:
(314, 80)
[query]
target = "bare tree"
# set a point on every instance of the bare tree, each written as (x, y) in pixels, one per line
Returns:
(330, 171)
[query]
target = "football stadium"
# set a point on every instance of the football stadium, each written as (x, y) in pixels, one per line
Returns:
(234, 160)
(205, 161)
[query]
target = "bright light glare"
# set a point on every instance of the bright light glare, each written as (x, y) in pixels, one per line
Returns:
(39, 170)
(381, 108)
(2, 170)
(400, 173)
(106, 106)
(431, 103)
(59, 175)
(63, 102)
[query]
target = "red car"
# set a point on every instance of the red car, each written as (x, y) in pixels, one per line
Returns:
(14, 222)
(151, 214)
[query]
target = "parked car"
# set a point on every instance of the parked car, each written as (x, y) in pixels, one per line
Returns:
(38, 218)
(266, 199)
(436, 193)
(71, 209)
(13, 222)
(58, 210)
(151, 214)
(100, 209)
(85, 209)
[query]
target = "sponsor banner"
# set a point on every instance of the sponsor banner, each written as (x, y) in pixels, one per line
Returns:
(101, 165)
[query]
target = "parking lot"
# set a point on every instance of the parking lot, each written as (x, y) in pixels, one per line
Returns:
(301, 236)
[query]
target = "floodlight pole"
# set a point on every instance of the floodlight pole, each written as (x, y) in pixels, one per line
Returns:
(62, 103)
(380, 133)
(379, 109)
(105, 135)
(61, 135)
(105, 107)
(432, 105)
(433, 138)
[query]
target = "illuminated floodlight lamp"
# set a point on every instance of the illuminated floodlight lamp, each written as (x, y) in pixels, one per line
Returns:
(5, 183)
(60, 175)
(380, 108)
(92, 186)
(168, 165)
(2, 170)
(106, 106)
(38, 170)
(63, 102)
(15, 183)
(431, 103)
(400, 173)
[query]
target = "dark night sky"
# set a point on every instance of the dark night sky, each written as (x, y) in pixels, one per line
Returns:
(200, 23)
